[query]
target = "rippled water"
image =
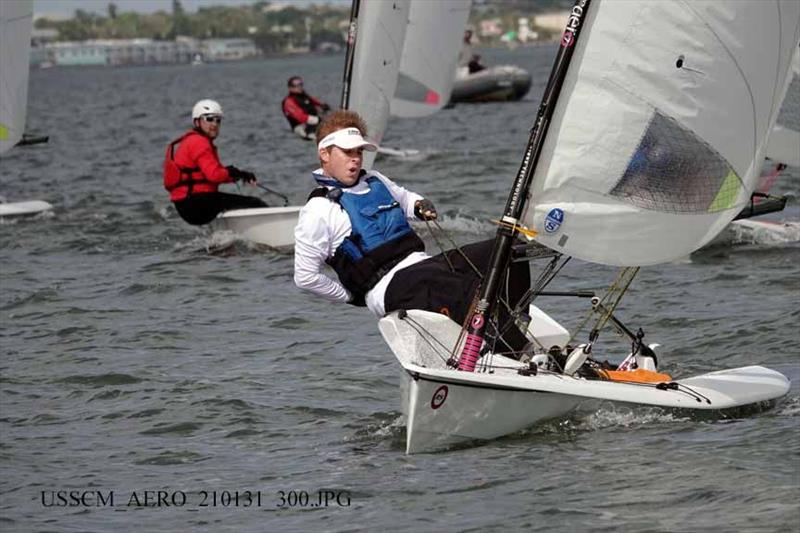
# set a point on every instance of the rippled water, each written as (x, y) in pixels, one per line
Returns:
(142, 354)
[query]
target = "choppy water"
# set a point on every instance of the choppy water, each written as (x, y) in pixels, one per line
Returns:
(141, 354)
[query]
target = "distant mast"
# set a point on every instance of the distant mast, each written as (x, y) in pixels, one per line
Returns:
(487, 300)
(352, 31)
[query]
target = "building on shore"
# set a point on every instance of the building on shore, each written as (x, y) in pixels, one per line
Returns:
(119, 52)
(228, 49)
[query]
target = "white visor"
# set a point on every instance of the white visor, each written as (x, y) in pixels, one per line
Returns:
(347, 139)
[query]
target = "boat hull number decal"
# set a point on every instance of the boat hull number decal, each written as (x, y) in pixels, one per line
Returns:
(439, 397)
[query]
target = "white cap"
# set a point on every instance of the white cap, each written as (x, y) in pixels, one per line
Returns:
(206, 107)
(347, 139)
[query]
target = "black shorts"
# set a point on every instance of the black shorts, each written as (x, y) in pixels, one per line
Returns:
(202, 208)
(430, 285)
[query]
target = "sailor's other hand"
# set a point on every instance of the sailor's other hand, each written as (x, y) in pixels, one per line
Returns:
(248, 177)
(312, 120)
(234, 172)
(425, 210)
(325, 108)
(237, 174)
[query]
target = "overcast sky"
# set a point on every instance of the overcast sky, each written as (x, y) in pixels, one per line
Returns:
(68, 7)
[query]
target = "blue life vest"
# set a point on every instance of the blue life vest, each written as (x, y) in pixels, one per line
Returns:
(380, 237)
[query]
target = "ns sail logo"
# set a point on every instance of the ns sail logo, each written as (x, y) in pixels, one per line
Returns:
(553, 220)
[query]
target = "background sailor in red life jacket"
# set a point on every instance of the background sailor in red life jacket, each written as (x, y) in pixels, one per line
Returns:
(193, 172)
(356, 222)
(302, 110)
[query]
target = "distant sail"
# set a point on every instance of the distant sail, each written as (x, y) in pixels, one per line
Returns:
(784, 141)
(381, 29)
(427, 69)
(16, 23)
(660, 131)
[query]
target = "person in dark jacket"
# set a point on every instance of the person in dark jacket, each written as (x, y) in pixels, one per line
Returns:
(193, 172)
(302, 110)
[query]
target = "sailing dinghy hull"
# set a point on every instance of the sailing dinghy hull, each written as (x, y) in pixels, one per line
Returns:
(271, 226)
(503, 83)
(445, 406)
(759, 232)
(27, 208)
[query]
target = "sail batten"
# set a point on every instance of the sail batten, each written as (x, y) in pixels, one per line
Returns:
(665, 112)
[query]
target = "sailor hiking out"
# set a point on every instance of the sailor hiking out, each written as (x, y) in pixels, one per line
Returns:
(357, 223)
(302, 110)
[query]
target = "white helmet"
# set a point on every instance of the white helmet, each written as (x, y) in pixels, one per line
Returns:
(206, 107)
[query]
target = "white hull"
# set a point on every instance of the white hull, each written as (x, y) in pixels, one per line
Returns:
(471, 412)
(752, 231)
(401, 153)
(271, 226)
(445, 406)
(495, 84)
(31, 207)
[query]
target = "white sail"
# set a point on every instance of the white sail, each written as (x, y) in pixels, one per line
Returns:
(784, 141)
(660, 130)
(430, 53)
(16, 22)
(381, 29)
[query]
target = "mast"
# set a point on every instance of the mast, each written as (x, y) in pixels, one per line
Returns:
(476, 327)
(352, 31)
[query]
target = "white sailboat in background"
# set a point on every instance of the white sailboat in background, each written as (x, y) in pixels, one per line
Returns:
(399, 57)
(377, 31)
(16, 22)
(374, 53)
(648, 142)
(783, 149)
(430, 55)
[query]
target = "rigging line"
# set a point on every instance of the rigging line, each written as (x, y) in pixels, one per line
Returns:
(679, 387)
(547, 275)
(690, 390)
(629, 273)
(457, 248)
(611, 289)
(425, 335)
(439, 244)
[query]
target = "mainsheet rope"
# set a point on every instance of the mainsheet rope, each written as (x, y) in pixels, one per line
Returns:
(618, 287)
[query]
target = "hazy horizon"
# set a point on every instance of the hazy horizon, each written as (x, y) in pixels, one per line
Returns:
(68, 7)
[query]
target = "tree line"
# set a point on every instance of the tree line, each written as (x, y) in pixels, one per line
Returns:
(271, 30)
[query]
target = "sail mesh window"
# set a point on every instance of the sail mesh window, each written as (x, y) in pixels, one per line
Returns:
(674, 171)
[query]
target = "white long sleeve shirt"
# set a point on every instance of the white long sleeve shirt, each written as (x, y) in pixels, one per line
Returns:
(321, 229)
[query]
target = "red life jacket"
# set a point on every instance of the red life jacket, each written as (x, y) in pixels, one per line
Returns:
(176, 176)
(298, 107)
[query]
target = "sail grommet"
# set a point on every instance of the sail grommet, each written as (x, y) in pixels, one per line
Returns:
(679, 62)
